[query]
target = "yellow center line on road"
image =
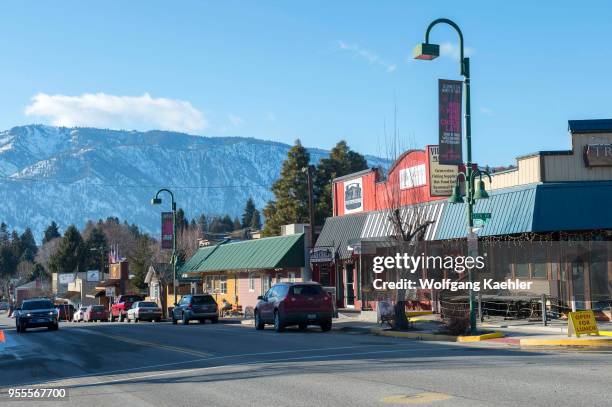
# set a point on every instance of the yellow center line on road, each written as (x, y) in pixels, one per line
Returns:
(149, 344)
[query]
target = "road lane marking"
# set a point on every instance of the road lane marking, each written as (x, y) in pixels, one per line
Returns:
(155, 366)
(419, 398)
(66, 382)
(139, 342)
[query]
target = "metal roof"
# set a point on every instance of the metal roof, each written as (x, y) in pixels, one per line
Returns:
(590, 126)
(339, 230)
(265, 253)
(377, 223)
(547, 207)
(573, 206)
(511, 212)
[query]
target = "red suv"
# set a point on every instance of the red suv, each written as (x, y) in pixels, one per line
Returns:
(299, 304)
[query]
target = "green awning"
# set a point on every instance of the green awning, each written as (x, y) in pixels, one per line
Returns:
(266, 253)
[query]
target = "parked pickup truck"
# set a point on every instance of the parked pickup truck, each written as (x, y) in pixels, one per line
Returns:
(121, 306)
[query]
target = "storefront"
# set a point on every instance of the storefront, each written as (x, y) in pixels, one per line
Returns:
(550, 196)
(239, 272)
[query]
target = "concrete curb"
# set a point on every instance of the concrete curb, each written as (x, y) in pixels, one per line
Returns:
(569, 342)
(418, 313)
(419, 336)
(478, 338)
(605, 333)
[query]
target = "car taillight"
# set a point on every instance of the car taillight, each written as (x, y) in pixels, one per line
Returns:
(190, 306)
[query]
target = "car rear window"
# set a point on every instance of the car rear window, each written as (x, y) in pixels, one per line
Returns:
(202, 299)
(97, 308)
(42, 304)
(147, 304)
(131, 298)
(306, 290)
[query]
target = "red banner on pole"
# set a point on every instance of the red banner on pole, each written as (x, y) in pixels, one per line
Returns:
(167, 230)
(450, 96)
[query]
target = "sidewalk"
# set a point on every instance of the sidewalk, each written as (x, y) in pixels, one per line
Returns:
(519, 334)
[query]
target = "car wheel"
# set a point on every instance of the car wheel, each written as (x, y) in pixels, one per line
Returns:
(214, 320)
(278, 323)
(173, 320)
(111, 318)
(23, 328)
(17, 327)
(326, 326)
(259, 325)
(303, 327)
(121, 318)
(185, 320)
(136, 320)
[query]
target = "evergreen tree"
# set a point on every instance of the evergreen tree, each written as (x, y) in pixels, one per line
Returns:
(96, 249)
(70, 255)
(181, 222)
(51, 232)
(140, 261)
(4, 234)
(237, 225)
(290, 192)
(228, 223)
(247, 215)
(341, 161)
(255, 220)
(28, 246)
(202, 225)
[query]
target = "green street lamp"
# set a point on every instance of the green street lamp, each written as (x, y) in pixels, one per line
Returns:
(157, 201)
(428, 51)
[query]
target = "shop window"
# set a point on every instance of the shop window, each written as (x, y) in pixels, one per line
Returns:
(291, 277)
(600, 296)
(521, 266)
(251, 282)
(278, 278)
(223, 284)
(324, 276)
(539, 267)
(208, 285)
(266, 282)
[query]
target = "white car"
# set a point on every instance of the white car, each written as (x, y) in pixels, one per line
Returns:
(144, 310)
(79, 314)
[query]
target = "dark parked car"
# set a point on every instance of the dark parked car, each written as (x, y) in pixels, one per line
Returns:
(65, 312)
(35, 313)
(199, 307)
(95, 313)
(299, 304)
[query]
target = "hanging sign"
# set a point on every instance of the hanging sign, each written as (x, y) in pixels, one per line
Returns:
(441, 177)
(450, 94)
(582, 323)
(166, 230)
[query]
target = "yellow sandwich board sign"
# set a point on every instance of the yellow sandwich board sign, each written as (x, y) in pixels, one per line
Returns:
(582, 322)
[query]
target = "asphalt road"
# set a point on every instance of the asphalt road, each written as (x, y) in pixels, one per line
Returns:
(160, 364)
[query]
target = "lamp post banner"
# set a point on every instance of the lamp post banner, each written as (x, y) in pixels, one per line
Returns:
(166, 230)
(450, 96)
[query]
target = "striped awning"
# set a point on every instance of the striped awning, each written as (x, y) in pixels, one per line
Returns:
(379, 225)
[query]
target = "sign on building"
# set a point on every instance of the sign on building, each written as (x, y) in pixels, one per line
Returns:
(441, 177)
(598, 155)
(582, 323)
(321, 254)
(450, 94)
(114, 271)
(110, 291)
(167, 230)
(412, 176)
(66, 278)
(353, 196)
(93, 275)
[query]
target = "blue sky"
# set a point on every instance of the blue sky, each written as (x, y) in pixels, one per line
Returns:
(319, 71)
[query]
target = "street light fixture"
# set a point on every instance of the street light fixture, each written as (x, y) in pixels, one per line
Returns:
(428, 51)
(157, 201)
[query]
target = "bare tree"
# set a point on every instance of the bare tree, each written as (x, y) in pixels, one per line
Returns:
(407, 218)
(43, 256)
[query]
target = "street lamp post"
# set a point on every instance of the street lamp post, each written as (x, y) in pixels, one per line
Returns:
(157, 201)
(428, 51)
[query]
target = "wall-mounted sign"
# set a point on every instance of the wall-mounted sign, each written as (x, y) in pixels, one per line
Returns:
(114, 271)
(353, 196)
(321, 254)
(167, 230)
(93, 275)
(412, 176)
(450, 95)
(441, 177)
(66, 278)
(598, 155)
(110, 291)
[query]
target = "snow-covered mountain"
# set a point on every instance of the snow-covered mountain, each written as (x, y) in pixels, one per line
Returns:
(71, 175)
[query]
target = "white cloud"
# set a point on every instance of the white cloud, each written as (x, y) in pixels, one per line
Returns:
(451, 50)
(117, 112)
(367, 55)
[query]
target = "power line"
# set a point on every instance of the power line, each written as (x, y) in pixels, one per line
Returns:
(107, 185)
